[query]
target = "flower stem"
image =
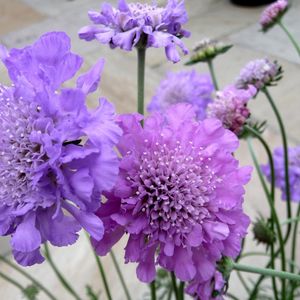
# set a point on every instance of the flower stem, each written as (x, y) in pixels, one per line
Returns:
(28, 276)
(290, 36)
(181, 290)
(120, 275)
(174, 284)
(213, 74)
(286, 160)
(153, 290)
(272, 207)
(141, 78)
(266, 272)
(61, 278)
(12, 281)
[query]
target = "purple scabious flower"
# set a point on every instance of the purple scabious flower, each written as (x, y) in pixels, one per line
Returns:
(294, 171)
(136, 24)
(230, 107)
(186, 87)
(259, 73)
(56, 156)
(179, 195)
(272, 14)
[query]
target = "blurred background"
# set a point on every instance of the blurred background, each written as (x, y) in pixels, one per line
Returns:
(23, 21)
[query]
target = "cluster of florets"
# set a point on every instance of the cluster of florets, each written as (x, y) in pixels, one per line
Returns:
(230, 107)
(179, 195)
(139, 25)
(56, 156)
(183, 87)
(259, 73)
(273, 13)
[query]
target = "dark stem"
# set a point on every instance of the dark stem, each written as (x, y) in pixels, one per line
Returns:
(61, 278)
(153, 290)
(174, 284)
(141, 78)
(181, 290)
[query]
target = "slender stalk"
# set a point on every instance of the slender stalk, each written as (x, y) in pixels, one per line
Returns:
(286, 160)
(120, 275)
(266, 272)
(290, 36)
(174, 284)
(181, 290)
(242, 280)
(61, 278)
(170, 294)
(213, 74)
(231, 296)
(153, 290)
(12, 281)
(141, 78)
(273, 211)
(28, 276)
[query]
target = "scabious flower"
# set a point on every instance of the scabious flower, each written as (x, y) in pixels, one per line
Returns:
(56, 156)
(230, 107)
(272, 14)
(206, 50)
(179, 195)
(294, 171)
(137, 24)
(185, 86)
(260, 73)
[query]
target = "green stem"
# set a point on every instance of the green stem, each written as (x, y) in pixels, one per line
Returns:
(213, 74)
(243, 282)
(120, 275)
(170, 294)
(272, 207)
(12, 281)
(181, 290)
(286, 160)
(28, 276)
(61, 278)
(266, 272)
(141, 78)
(231, 296)
(290, 36)
(153, 290)
(174, 284)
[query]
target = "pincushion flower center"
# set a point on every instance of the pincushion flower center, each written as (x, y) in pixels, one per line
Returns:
(18, 154)
(149, 13)
(173, 185)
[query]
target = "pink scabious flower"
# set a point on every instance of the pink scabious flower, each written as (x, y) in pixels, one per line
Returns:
(136, 24)
(259, 73)
(56, 156)
(186, 87)
(294, 171)
(230, 107)
(272, 14)
(179, 195)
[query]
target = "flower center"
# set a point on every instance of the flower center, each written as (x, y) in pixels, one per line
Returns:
(151, 14)
(173, 185)
(18, 154)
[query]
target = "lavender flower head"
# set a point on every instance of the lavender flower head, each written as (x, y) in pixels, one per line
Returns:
(179, 195)
(56, 157)
(272, 14)
(187, 87)
(137, 24)
(294, 172)
(259, 73)
(230, 107)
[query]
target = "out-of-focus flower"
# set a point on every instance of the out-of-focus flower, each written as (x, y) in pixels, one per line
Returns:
(183, 87)
(56, 157)
(137, 24)
(179, 195)
(294, 171)
(260, 73)
(272, 14)
(206, 50)
(230, 107)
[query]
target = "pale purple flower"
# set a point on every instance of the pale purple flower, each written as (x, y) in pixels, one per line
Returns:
(272, 14)
(260, 73)
(230, 107)
(183, 87)
(137, 24)
(56, 156)
(294, 171)
(179, 195)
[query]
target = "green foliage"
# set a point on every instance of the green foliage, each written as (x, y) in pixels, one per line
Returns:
(31, 292)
